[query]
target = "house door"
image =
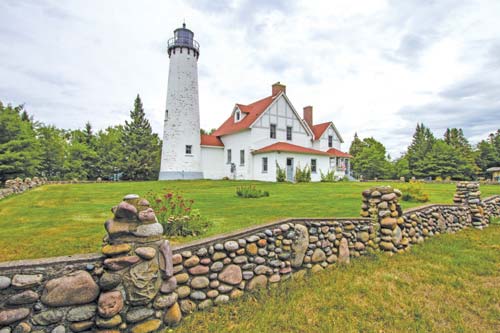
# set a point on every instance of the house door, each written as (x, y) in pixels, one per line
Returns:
(289, 169)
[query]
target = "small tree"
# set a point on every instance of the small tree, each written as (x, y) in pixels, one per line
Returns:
(141, 147)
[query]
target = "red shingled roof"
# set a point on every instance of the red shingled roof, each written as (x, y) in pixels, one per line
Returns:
(211, 140)
(319, 129)
(252, 112)
(337, 153)
(287, 147)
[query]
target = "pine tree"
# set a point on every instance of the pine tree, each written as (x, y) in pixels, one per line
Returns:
(53, 150)
(421, 145)
(19, 149)
(142, 147)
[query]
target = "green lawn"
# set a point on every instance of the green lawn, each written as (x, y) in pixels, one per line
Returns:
(449, 284)
(66, 219)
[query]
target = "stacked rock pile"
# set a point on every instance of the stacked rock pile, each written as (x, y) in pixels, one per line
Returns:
(421, 223)
(382, 205)
(217, 272)
(137, 285)
(13, 186)
(468, 193)
(491, 207)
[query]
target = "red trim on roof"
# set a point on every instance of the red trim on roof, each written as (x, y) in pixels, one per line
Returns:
(211, 140)
(338, 153)
(252, 111)
(289, 148)
(319, 129)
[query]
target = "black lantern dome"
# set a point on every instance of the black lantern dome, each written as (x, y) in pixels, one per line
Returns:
(183, 38)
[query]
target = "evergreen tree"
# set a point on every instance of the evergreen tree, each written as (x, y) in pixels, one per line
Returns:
(356, 145)
(421, 145)
(142, 148)
(19, 149)
(53, 150)
(80, 159)
(109, 150)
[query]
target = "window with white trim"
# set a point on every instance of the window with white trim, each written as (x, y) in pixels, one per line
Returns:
(264, 164)
(242, 157)
(313, 165)
(229, 156)
(330, 141)
(289, 133)
(272, 131)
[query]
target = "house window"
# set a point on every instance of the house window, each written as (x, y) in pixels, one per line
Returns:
(189, 149)
(242, 157)
(289, 133)
(273, 131)
(229, 156)
(264, 164)
(330, 141)
(313, 165)
(238, 115)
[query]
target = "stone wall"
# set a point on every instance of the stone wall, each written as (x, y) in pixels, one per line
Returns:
(18, 185)
(142, 284)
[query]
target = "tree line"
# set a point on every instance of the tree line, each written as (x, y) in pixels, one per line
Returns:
(30, 148)
(450, 157)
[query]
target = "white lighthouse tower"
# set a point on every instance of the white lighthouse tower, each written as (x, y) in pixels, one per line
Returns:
(181, 151)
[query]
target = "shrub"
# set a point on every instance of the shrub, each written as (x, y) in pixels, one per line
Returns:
(303, 175)
(439, 179)
(414, 191)
(328, 177)
(177, 215)
(280, 174)
(250, 191)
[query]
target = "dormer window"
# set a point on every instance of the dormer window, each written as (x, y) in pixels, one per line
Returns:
(330, 141)
(237, 116)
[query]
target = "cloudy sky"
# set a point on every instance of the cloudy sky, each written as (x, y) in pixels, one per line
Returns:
(374, 67)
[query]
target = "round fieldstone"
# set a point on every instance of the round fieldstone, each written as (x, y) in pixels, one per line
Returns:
(21, 281)
(212, 293)
(231, 275)
(109, 281)
(262, 269)
(199, 270)
(59, 329)
(192, 261)
(48, 317)
(208, 303)
(259, 281)
(221, 299)
(217, 266)
(109, 323)
(81, 313)
(138, 314)
(218, 256)
(183, 291)
(173, 316)
(169, 285)
(198, 295)
(146, 253)
(26, 297)
(187, 306)
(182, 277)
(202, 252)
(81, 326)
(4, 282)
(113, 250)
(146, 327)
(231, 246)
(110, 303)
(165, 301)
(11, 316)
(22, 328)
(240, 260)
(247, 275)
(199, 282)
(219, 247)
(224, 288)
(252, 249)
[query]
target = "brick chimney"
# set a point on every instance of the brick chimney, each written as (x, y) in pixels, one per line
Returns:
(278, 87)
(308, 115)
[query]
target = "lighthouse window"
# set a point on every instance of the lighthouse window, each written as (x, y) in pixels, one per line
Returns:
(273, 131)
(189, 149)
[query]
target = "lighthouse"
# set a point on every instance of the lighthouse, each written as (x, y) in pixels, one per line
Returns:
(181, 151)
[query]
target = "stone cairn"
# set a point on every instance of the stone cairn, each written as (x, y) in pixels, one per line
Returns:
(18, 185)
(137, 284)
(381, 204)
(468, 193)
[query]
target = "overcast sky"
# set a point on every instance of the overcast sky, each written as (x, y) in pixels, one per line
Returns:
(373, 67)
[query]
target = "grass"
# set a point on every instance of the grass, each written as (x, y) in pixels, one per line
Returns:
(449, 284)
(55, 220)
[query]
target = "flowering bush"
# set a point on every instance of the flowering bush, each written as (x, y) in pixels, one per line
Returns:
(177, 215)
(414, 191)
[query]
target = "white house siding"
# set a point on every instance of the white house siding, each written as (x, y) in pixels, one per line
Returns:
(299, 160)
(182, 119)
(212, 162)
(236, 142)
(322, 143)
(281, 114)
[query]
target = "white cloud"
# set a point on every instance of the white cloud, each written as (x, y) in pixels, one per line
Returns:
(363, 66)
